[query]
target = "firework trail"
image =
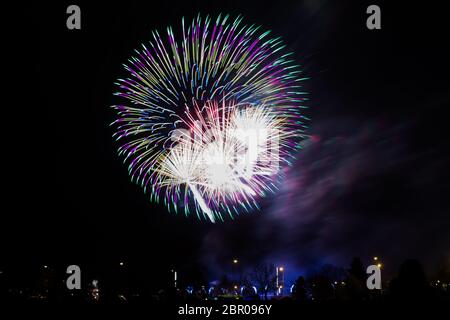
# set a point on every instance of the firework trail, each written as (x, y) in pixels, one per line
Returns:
(210, 120)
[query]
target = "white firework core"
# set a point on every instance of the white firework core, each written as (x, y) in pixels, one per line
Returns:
(224, 155)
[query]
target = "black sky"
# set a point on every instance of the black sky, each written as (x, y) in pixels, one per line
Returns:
(373, 179)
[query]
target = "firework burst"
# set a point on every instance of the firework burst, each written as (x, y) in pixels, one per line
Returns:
(209, 120)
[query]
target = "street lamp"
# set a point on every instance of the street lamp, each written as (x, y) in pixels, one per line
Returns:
(279, 279)
(234, 270)
(175, 278)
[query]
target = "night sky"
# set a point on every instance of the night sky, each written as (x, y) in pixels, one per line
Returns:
(373, 178)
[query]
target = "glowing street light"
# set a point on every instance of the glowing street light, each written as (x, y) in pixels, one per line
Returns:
(279, 279)
(235, 261)
(378, 261)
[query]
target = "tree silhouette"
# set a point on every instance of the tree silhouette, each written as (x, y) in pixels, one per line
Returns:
(264, 277)
(299, 292)
(410, 283)
(356, 282)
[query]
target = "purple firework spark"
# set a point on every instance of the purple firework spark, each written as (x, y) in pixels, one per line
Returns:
(210, 120)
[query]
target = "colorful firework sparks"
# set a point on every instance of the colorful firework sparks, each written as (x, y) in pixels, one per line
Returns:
(210, 121)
